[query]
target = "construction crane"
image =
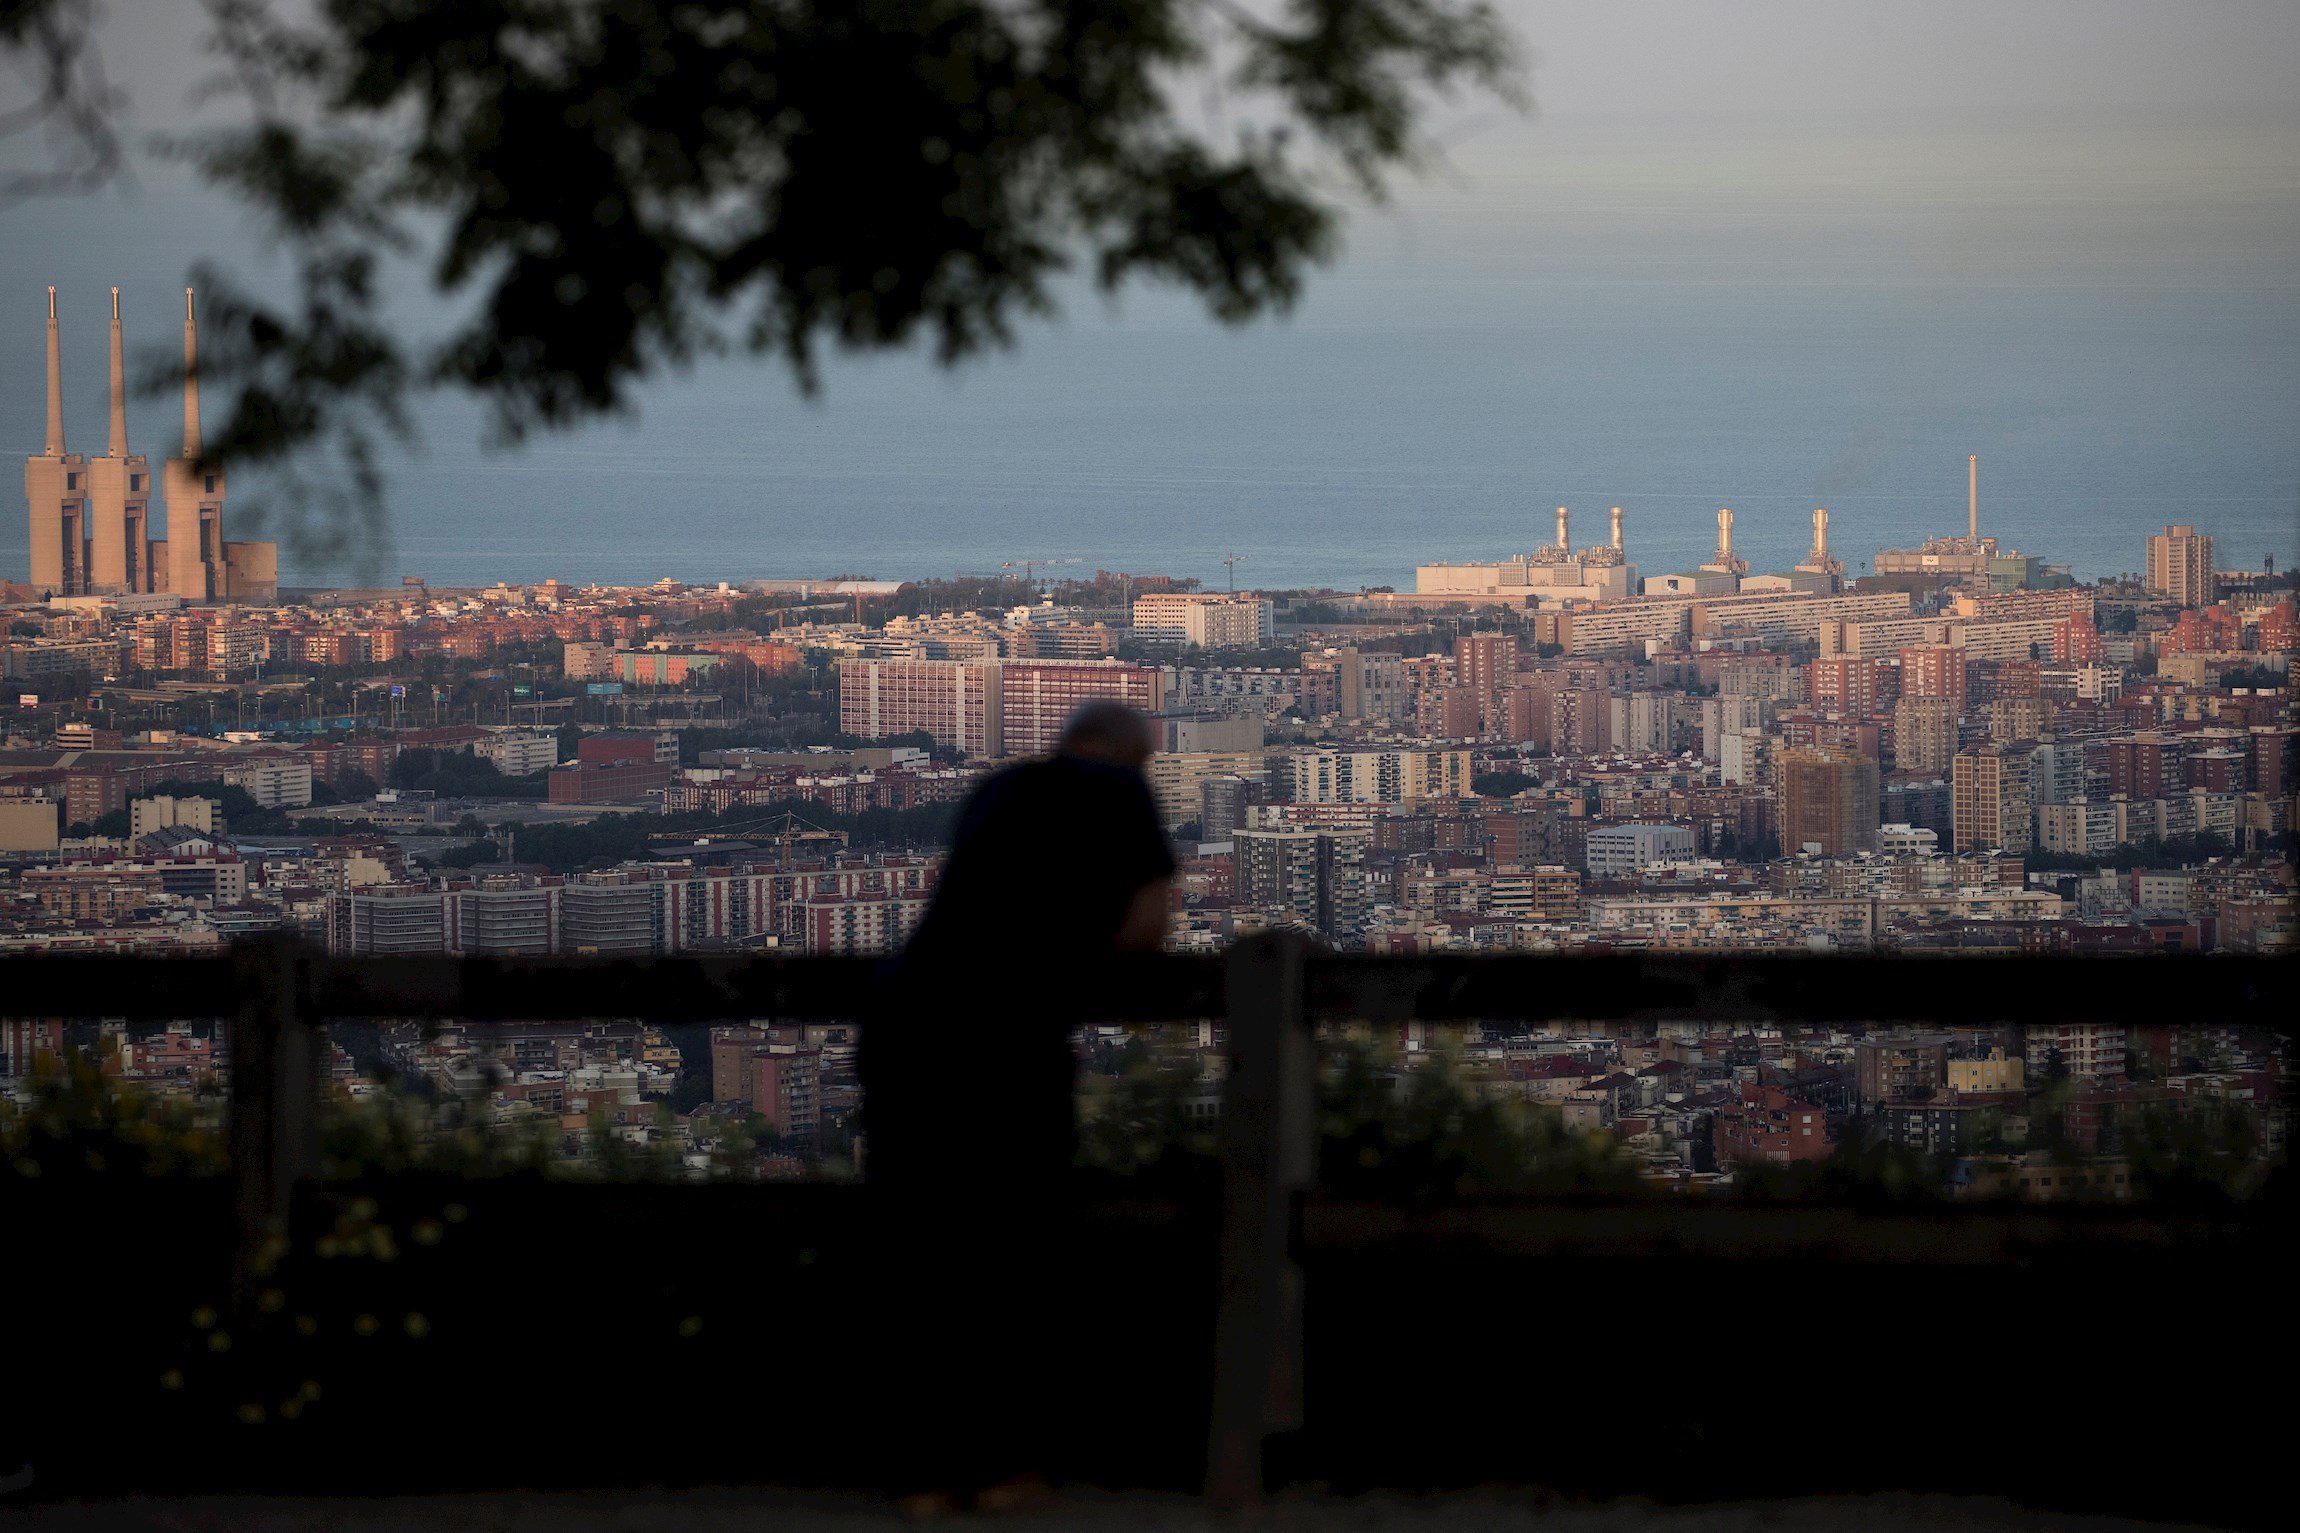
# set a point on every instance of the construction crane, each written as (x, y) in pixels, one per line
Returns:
(784, 829)
(1031, 567)
(1231, 563)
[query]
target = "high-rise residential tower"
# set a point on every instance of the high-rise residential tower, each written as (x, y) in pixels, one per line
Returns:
(1991, 810)
(2180, 566)
(1318, 874)
(1829, 799)
(1924, 734)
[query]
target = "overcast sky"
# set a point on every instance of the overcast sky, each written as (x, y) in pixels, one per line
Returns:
(2177, 123)
(1762, 56)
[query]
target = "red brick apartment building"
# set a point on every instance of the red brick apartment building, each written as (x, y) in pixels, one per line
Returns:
(953, 701)
(984, 707)
(780, 1082)
(1852, 684)
(1771, 1128)
(615, 768)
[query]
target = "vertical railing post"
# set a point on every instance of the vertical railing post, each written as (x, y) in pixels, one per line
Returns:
(275, 1100)
(1269, 1148)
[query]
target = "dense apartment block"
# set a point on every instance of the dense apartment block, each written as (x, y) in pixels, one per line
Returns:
(1829, 801)
(1206, 620)
(2180, 566)
(1990, 792)
(1315, 875)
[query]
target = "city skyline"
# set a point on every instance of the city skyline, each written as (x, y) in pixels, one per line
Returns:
(950, 724)
(1775, 272)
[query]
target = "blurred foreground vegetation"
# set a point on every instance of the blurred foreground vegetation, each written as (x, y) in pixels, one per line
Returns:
(1390, 1127)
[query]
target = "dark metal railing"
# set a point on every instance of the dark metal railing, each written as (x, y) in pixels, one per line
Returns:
(1271, 992)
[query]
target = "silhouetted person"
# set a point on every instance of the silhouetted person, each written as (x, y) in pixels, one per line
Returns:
(1056, 866)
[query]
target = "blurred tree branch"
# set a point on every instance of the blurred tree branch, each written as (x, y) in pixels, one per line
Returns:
(50, 45)
(621, 186)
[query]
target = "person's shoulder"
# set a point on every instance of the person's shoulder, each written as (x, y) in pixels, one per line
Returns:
(1007, 782)
(1092, 774)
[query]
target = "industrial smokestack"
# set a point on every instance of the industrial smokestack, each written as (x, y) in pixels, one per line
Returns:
(191, 385)
(1617, 527)
(1724, 535)
(117, 444)
(1820, 535)
(55, 443)
(1973, 497)
(1562, 544)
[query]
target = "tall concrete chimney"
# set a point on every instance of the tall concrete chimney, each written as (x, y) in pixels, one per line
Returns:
(191, 383)
(199, 561)
(53, 491)
(119, 495)
(1616, 526)
(1820, 535)
(1562, 544)
(116, 444)
(1973, 498)
(1724, 535)
(55, 443)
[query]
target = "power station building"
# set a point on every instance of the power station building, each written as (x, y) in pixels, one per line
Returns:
(91, 517)
(1553, 572)
(1971, 560)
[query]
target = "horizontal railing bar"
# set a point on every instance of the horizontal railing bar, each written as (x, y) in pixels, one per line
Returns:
(1945, 1234)
(712, 988)
(132, 989)
(694, 988)
(1848, 992)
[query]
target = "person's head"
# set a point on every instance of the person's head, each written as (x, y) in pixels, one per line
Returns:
(1108, 732)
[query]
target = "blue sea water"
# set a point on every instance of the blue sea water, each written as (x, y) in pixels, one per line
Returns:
(1596, 320)
(1344, 456)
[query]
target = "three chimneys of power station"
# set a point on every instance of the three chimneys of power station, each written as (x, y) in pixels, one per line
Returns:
(91, 517)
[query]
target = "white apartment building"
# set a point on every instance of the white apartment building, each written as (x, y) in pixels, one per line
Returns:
(1722, 716)
(1620, 851)
(2089, 1050)
(1742, 756)
(274, 782)
(2076, 826)
(1908, 841)
(1391, 776)
(1205, 620)
(519, 753)
(160, 812)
